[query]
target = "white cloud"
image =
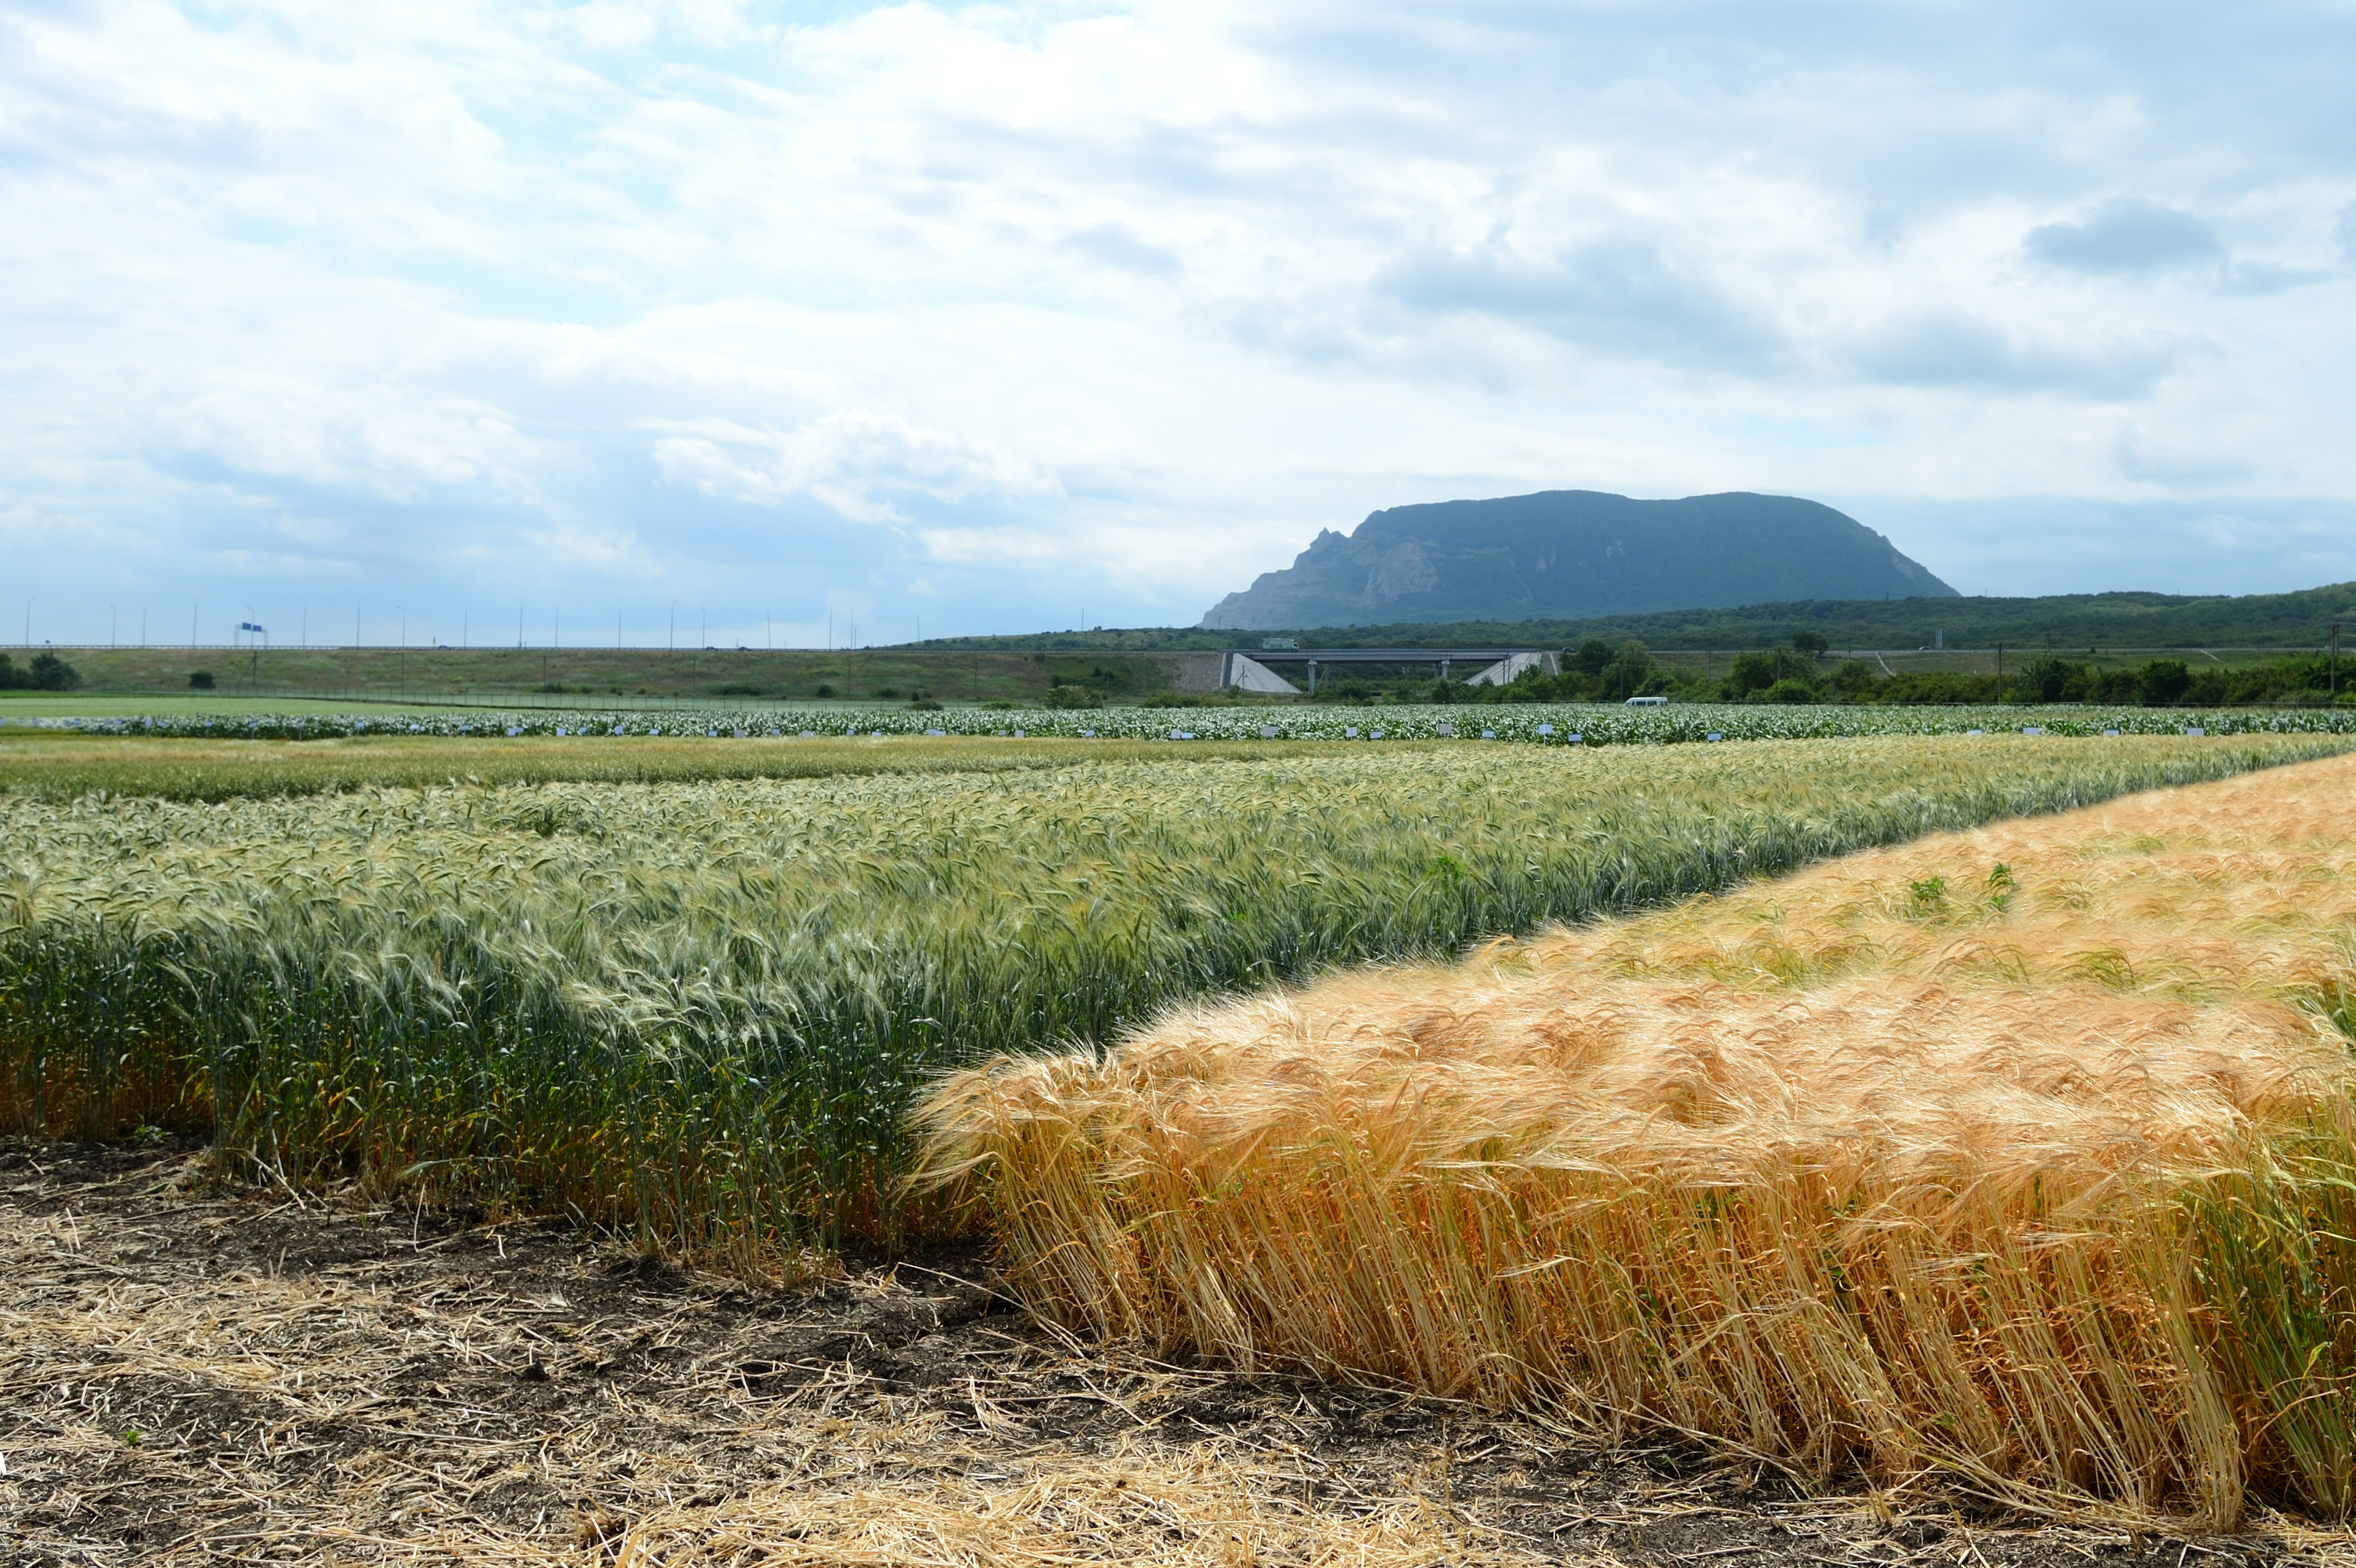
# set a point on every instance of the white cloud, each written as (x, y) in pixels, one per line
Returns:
(851, 462)
(1941, 349)
(1036, 305)
(2126, 235)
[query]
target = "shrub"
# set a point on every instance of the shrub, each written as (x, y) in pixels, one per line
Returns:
(2050, 679)
(1067, 697)
(51, 673)
(201, 680)
(1855, 679)
(1593, 655)
(2163, 681)
(1757, 672)
(2213, 685)
(1628, 672)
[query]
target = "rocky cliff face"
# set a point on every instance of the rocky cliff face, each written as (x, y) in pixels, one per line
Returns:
(1570, 554)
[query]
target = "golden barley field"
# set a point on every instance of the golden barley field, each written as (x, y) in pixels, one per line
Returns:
(2020, 1159)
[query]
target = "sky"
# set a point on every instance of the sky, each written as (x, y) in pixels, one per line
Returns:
(752, 324)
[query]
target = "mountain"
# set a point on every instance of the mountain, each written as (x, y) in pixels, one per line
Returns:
(1575, 555)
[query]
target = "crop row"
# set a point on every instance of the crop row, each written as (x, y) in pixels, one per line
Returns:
(697, 1011)
(1557, 723)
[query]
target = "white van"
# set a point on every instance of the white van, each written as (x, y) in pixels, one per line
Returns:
(1648, 702)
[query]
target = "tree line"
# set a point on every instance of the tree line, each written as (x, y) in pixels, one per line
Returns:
(47, 672)
(1800, 671)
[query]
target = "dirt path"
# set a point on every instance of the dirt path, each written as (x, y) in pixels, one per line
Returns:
(188, 1378)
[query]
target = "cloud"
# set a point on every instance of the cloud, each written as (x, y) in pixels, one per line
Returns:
(1617, 294)
(1950, 348)
(1116, 246)
(852, 464)
(1116, 304)
(2178, 463)
(2260, 278)
(998, 544)
(382, 442)
(2026, 545)
(2126, 236)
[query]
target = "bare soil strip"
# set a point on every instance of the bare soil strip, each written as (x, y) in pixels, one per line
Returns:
(196, 1376)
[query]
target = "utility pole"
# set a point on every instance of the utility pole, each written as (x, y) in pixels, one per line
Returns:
(2335, 657)
(1999, 675)
(29, 625)
(194, 606)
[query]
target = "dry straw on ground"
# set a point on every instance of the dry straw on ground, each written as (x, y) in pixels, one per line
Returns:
(2019, 1156)
(194, 1379)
